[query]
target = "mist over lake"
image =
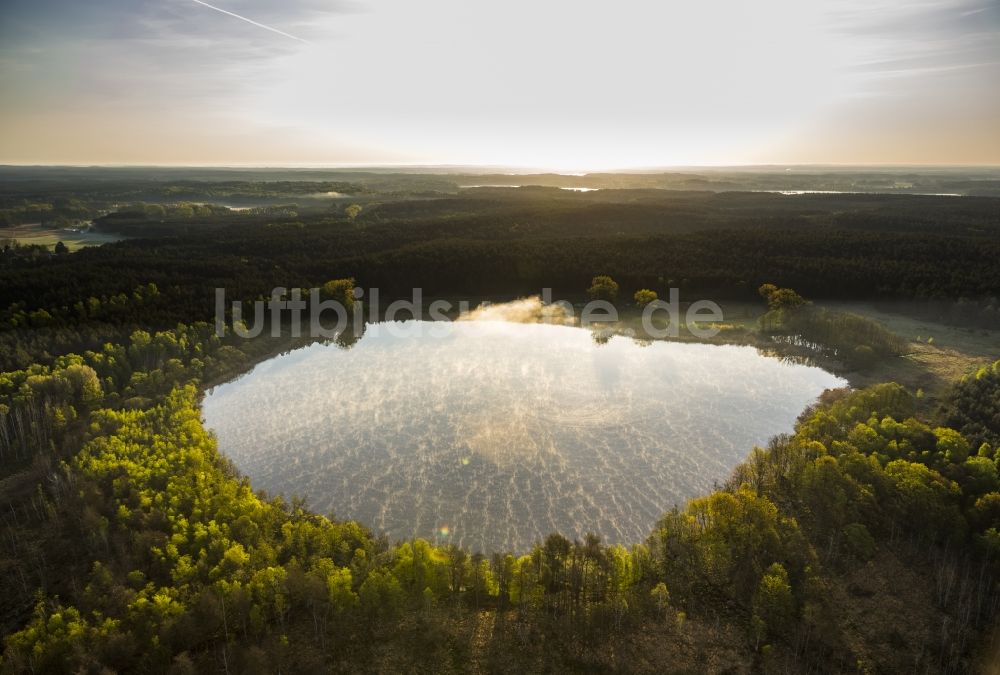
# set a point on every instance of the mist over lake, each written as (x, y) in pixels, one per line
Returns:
(494, 434)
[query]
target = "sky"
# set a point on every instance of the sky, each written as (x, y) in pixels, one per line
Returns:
(569, 85)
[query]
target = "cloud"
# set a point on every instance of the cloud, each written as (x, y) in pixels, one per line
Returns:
(110, 19)
(560, 83)
(148, 54)
(900, 38)
(250, 21)
(163, 33)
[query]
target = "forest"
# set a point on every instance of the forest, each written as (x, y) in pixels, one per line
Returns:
(942, 257)
(154, 555)
(865, 541)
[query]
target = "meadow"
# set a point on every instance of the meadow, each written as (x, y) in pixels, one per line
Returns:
(41, 235)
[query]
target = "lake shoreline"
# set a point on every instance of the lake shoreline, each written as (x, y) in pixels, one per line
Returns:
(491, 433)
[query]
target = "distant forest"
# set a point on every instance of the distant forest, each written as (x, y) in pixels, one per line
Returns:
(504, 242)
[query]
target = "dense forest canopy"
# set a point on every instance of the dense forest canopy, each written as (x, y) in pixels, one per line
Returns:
(178, 564)
(505, 242)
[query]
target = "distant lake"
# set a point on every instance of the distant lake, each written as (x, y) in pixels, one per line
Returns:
(780, 192)
(494, 434)
(570, 189)
(861, 192)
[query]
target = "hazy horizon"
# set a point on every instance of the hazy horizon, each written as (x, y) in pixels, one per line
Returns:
(558, 87)
(291, 166)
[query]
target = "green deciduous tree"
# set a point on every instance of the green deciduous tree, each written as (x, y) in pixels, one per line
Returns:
(603, 287)
(341, 290)
(773, 603)
(952, 445)
(352, 211)
(644, 297)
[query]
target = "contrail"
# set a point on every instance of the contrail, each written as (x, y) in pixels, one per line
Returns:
(243, 18)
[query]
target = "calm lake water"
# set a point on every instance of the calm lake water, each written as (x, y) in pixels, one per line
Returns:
(494, 434)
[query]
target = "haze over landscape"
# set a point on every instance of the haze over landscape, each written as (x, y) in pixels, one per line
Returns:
(560, 85)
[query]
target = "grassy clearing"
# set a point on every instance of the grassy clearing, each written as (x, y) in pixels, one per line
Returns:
(42, 235)
(938, 354)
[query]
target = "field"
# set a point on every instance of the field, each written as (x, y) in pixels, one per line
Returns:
(938, 354)
(42, 235)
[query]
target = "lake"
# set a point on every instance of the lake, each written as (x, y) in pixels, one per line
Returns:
(492, 434)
